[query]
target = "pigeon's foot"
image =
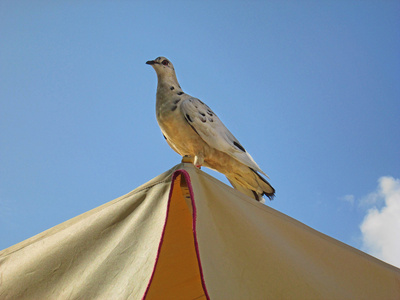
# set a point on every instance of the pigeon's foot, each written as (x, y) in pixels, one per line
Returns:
(198, 161)
(189, 159)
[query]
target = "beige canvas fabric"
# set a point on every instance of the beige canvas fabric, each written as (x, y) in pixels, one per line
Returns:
(106, 253)
(250, 251)
(201, 239)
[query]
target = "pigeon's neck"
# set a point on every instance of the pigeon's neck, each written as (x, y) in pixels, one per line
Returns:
(168, 93)
(167, 80)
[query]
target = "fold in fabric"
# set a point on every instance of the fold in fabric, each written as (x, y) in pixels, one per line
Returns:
(177, 273)
(105, 253)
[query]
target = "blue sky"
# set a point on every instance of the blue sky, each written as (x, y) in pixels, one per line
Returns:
(310, 88)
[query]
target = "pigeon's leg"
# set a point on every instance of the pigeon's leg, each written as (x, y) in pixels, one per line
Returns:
(187, 159)
(198, 161)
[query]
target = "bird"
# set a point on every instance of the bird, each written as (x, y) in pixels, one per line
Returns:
(195, 132)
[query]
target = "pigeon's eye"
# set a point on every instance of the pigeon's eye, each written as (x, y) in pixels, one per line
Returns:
(165, 62)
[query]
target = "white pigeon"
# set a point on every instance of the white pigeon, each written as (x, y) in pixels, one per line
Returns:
(193, 130)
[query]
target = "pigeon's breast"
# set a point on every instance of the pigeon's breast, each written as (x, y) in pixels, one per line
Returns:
(179, 134)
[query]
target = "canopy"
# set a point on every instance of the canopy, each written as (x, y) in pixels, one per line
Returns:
(186, 235)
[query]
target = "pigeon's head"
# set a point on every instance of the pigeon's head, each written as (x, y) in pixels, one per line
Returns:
(162, 66)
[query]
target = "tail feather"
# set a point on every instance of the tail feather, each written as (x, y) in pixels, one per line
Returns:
(268, 190)
(252, 184)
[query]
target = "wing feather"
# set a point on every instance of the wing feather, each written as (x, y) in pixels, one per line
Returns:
(210, 128)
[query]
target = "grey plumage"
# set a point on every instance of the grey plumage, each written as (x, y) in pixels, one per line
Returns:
(192, 129)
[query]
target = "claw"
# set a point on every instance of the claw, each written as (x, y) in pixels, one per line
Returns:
(198, 160)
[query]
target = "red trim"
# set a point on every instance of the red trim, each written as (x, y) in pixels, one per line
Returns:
(162, 238)
(194, 217)
(196, 245)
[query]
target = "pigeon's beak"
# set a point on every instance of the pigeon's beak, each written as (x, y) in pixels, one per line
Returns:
(151, 62)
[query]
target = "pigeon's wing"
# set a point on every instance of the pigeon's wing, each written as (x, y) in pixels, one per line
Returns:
(210, 128)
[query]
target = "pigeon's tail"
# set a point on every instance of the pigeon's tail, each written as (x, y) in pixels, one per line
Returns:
(252, 184)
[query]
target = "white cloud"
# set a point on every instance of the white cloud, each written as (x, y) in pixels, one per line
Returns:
(373, 199)
(381, 225)
(348, 198)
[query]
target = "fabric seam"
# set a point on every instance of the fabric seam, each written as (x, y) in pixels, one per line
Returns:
(194, 218)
